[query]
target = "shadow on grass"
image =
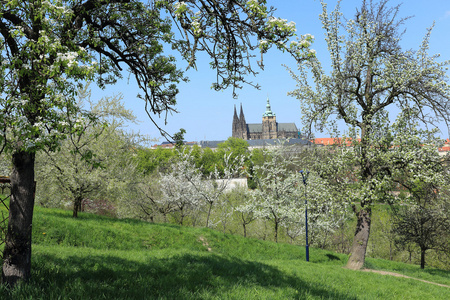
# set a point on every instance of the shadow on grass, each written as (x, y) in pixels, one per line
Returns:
(185, 276)
(332, 256)
(86, 216)
(437, 272)
(52, 216)
(412, 270)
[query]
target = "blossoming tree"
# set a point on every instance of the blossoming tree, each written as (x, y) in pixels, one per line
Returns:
(422, 173)
(370, 73)
(49, 47)
(278, 195)
(185, 189)
(178, 187)
(95, 156)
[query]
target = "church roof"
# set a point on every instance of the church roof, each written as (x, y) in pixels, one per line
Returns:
(291, 127)
(287, 127)
(252, 128)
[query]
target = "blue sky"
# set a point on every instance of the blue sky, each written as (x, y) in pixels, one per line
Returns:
(207, 115)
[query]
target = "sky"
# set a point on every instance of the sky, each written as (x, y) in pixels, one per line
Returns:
(206, 114)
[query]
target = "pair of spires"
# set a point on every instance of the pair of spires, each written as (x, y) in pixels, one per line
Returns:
(241, 117)
(267, 113)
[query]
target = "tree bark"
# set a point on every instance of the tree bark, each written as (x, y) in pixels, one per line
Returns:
(276, 231)
(359, 246)
(17, 252)
(422, 258)
(76, 206)
(181, 216)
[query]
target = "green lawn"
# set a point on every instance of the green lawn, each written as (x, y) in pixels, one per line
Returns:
(97, 257)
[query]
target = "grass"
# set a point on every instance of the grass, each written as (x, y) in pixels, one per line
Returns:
(97, 257)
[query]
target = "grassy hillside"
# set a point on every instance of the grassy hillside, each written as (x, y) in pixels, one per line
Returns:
(96, 257)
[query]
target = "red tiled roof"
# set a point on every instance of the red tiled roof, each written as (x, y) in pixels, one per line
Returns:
(332, 141)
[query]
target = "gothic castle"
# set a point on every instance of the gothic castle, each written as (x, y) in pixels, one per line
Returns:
(268, 129)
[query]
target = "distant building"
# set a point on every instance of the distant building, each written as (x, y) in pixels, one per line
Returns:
(333, 141)
(445, 149)
(268, 129)
(266, 143)
(171, 145)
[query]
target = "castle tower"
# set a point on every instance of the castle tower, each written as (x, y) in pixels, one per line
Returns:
(269, 123)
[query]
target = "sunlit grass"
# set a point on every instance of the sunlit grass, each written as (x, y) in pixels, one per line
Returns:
(95, 257)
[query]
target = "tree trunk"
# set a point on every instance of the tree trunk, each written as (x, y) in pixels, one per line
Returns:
(76, 206)
(181, 216)
(17, 252)
(276, 231)
(209, 214)
(359, 246)
(422, 258)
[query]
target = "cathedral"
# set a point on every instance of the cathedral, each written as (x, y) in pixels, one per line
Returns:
(268, 129)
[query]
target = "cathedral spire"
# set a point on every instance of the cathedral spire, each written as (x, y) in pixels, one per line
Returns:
(236, 127)
(241, 116)
(235, 117)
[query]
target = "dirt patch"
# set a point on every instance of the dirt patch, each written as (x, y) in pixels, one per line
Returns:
(205, 243)
(404, 276)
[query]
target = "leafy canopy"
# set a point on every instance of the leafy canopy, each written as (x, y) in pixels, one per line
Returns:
(49, 48)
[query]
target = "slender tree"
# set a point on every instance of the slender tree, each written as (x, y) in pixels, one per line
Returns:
(48, 48)
(370, 73)
(424, 221)
(277, 197)
(95, 153)
(178, 187)
(243, 207)
(422, 173)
